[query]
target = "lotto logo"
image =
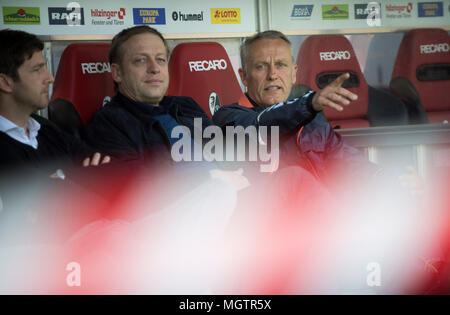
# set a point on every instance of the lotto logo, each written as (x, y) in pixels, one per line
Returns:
(225, 16)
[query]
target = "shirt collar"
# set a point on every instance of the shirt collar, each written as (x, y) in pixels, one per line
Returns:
(33, 127)
(19, 133)
(162, 108)
(6, 125)
(249, 102)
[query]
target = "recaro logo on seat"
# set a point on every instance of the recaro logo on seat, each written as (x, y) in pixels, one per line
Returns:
(95, 67)
(434, 48)
(207, 65)
(334, 55)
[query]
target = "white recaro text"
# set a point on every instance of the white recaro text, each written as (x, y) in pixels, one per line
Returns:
(434, 48)
(333, 55)
(207, 65)
(95, 67)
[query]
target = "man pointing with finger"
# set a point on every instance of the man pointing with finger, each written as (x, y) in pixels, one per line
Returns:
(269, 72)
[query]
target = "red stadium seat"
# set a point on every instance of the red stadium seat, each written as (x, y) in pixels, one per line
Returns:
(82, 82)
(204, 72)
(321, 59)
(421, 75)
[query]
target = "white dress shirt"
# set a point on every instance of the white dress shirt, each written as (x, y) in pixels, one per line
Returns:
(19, 134)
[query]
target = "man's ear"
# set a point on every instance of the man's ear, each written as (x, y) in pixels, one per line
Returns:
(6, 83)
(116, 73)
(294, 74)
(243, 76)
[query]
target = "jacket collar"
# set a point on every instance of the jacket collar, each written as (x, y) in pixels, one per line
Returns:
(137, 108)
(246, 101)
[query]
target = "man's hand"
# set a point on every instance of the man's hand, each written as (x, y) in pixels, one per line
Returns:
(334, 95)
(95, 161)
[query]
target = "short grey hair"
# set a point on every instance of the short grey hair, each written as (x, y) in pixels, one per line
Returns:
(245, 47)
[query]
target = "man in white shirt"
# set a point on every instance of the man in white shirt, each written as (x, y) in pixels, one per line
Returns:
(24, 88)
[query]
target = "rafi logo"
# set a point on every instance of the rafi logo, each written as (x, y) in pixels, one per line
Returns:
(334, 55)
(149, 16)
(225, 16)
(95, 67)
(214, 103)
(187, 17)
(434, 48)
(362, 11)
(335, 11)
(430, 9)
(108, 17)
(21, 15)
(302, 11)
(208, 65)
(65, 16)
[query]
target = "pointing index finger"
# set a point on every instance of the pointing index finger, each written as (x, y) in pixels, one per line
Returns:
(340, 79)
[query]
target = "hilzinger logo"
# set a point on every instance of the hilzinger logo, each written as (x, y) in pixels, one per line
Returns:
(108, 14)
(400, 8)
(434, 48)
(95, 67)
(334, 55)
(207, 65)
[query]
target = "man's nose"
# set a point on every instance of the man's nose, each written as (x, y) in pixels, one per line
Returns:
(272, 74)
(153, 66)
(50, 78)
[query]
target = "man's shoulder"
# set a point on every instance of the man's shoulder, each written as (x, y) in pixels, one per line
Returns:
(185, 106)
(47, 126)
(318, 133)
(237, 107)
(181, 99)
(110, 111)
(42, 120)
(184, 101)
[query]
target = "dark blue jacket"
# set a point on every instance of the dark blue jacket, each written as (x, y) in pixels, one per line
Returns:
(306, 138)
(128, 130)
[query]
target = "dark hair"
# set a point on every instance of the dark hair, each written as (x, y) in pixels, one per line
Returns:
(115, 52)
(17, 46)
(245, 47)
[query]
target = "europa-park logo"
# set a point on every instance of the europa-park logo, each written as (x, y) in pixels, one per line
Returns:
(21, 15)
(225, 16)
